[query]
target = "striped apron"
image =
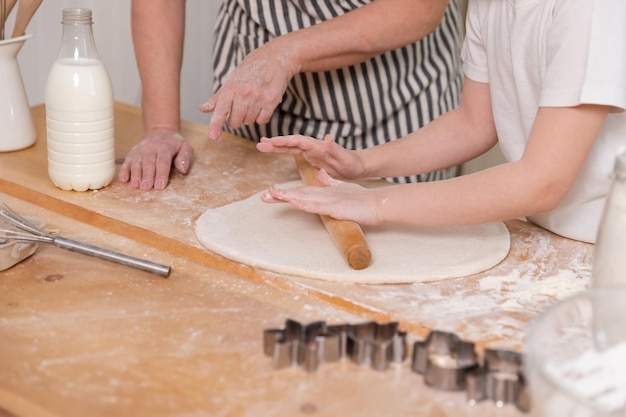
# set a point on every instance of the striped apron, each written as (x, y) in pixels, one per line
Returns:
(377, 101)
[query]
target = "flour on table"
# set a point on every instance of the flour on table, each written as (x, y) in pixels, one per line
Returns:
(598, 378)
(280, 238)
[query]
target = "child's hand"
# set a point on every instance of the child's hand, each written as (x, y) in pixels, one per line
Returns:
(323, 154)
(337, 199)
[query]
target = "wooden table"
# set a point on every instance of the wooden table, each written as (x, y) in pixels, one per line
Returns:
(84, 337)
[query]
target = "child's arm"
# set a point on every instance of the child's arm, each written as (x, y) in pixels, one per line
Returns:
(559, 143)
(451, 139)
(558, 146)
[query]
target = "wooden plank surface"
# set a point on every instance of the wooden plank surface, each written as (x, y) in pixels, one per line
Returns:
(121, 342)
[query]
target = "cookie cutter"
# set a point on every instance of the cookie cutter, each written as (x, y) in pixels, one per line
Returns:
(307, 346)
(444, 360)
(304, 345)
(376, 344)
(500, 379)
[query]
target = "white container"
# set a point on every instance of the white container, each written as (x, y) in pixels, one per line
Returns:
(609, 257)
(79, 110)
(17, 130)
(568, 374)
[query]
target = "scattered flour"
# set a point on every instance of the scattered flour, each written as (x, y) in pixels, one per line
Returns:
(598, 378)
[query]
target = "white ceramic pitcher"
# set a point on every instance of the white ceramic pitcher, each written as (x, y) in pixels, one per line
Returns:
(17, 130)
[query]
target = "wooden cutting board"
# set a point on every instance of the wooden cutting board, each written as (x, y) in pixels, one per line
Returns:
(104, 340)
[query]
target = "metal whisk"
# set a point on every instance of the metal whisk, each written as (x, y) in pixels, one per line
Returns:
(15, 227)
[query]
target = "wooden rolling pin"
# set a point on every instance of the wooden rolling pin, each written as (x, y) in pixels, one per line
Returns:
(347, 235)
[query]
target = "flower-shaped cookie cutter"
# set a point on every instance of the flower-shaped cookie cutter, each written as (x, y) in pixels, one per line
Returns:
(444, 360)
(499, 379)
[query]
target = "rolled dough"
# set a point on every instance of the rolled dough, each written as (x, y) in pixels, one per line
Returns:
(280, 238)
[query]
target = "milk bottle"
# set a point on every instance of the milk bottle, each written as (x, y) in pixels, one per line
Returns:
(79, 110)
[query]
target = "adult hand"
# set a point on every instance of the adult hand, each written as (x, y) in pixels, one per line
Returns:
(148, 163)
(337, 199)
(251, 92)
(324, 154)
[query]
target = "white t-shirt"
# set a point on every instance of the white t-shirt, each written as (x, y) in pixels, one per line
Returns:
(554, 53)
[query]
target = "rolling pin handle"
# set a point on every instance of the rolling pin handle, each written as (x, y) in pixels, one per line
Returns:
(346, 235)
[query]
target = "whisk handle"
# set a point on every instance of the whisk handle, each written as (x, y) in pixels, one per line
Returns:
(108, 255)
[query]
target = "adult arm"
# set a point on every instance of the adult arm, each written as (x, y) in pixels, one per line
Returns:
(254, 89)
(158, 34)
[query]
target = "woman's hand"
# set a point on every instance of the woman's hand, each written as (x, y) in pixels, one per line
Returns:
(148, 164)
(252, 91)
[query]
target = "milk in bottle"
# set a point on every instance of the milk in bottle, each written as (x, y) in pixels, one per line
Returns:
(79, 110)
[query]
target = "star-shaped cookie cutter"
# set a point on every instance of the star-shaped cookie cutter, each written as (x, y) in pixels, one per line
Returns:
(304, 345)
